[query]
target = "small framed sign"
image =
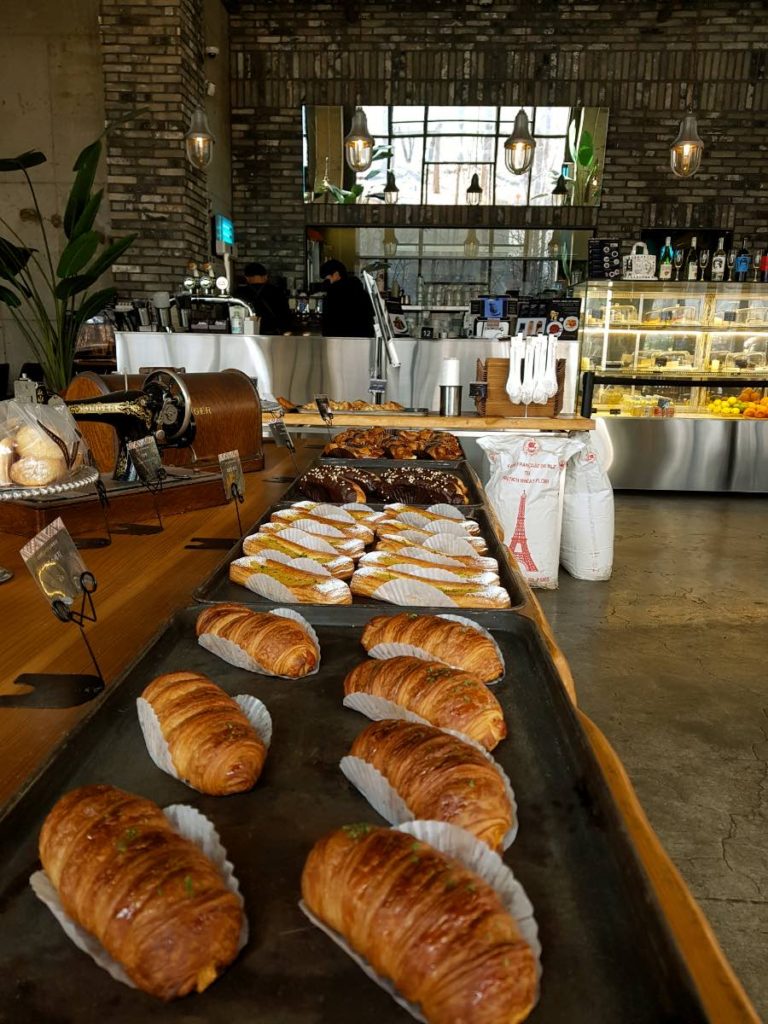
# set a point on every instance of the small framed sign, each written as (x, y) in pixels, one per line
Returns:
(145, 455)
(281, 435)
(232, 476)
(55, 564)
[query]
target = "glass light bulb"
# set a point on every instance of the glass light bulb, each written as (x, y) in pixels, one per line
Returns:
(686, 151)
(358, 145)
(199, 140)
(391, 192)
(474, 192)
(520, 146)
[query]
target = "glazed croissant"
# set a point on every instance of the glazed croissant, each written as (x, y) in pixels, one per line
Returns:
(463, 593)
(305, 587)
(357, 530)
(349, 546)
(340, 566)
(212, 744)
(279, 644)
(439, 777)
(426, 922)
(388, 559)
(443, 696)
(452, 643)
(156, 903)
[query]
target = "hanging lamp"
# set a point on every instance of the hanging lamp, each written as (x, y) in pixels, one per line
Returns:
(560, 191)
(390, 242)
(471, 244)
(686, 151)
(391, 191)
(358, 145)
(199, 140)
(474, 192)
(520, 146)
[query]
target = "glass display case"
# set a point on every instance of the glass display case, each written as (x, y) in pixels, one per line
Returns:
(663, 330)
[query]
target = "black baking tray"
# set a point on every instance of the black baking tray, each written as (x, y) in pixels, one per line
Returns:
(219, 587)
(607, 954)
(461, 469)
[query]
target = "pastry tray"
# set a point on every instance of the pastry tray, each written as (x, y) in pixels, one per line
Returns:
(219, 587)
(607, 953)
(399, 462)
(410, 411)
(461, 469)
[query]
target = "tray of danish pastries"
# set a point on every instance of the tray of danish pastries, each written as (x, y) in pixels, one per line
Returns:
(299, 818)
(399, 445)
(315, 553)
(379, 480)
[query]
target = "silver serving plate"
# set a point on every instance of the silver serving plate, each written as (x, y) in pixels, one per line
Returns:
(81, 478)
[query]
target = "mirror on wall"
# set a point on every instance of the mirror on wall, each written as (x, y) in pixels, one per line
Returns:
(434, 152)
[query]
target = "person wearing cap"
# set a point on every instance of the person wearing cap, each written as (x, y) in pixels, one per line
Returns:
(267, 301)
(347, 309)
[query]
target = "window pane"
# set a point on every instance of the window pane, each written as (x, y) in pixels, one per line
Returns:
(511, 189)
(552, 120)
(460, 148)
(407, 158)
(378, 123)
(547, 162)
(462, 120)
(508, 115)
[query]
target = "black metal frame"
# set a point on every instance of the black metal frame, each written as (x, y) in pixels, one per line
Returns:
(590, 378)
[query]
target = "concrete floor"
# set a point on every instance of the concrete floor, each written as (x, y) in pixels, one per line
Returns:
(669, 658)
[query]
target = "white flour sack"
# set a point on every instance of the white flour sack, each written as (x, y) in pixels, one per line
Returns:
(525, 490)
(586, 546)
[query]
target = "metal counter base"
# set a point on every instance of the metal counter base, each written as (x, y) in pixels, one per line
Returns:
(688, 454)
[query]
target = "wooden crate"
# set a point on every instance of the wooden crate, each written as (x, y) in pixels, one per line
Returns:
(496, 403)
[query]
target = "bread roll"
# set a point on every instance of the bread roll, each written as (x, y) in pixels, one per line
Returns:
(212, 744)
(279, 644)
(452, 643)
(442, 696)
(33, 442)
(421, 919)
(439, 777)
(6, 461)
(155, 902)
(38, 472)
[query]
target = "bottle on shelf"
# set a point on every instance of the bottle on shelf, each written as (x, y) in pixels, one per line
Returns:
(764, 267)
(718, 261)
(666, 256)
(692, 262)
(741, 266)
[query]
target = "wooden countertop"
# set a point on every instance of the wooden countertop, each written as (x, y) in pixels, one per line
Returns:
(435, 422)
(142, 580)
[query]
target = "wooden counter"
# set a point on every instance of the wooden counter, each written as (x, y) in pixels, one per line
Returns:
(482, 424)
(144, 579)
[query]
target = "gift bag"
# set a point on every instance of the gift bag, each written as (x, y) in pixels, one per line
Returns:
(639, 265)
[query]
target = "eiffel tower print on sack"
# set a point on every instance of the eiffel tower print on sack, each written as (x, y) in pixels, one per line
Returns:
(518, 545)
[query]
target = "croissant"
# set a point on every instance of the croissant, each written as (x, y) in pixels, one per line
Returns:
(350, 546)
(356, 530)
(463, 593)
(363, 514)
(423, 920)
(279, 644)
(306, 587)
(153, 899)
(452, 643)
(212, 744)
(439, 777)
(261, 544)
(391, 559)
(392, 528)
(402, 544)
(445, 697)
(393, 514)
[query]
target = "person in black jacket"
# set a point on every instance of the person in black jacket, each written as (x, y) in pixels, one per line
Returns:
(347, 309)
(265, 299)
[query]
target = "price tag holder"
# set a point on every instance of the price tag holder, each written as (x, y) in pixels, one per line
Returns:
(478, 389)
(233, 479)
(281, 435)
(324, 408)
(63, 579)
(377, 385)
(145, 456)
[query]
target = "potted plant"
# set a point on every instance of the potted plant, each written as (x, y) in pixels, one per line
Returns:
(50, 301)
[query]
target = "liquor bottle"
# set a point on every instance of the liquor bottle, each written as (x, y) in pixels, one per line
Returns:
(718, 261)
(741, 266)
(692, 262)
(666, 256)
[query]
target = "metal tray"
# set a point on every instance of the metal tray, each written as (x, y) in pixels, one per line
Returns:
(607, 957)
(461, 469)
(410, 411)
(219, 587)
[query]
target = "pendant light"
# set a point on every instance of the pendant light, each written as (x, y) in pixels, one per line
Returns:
(520, 146)
(560, 191)
(391, 191)
(390, 242)
(471, 244)
(686, 151)
(474, 192)
(199, 140)
(358, 145)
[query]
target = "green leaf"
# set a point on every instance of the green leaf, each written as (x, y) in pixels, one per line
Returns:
(88, 216)
(109, 256)
(76, 254)
(586, 149)
(72, 285)
(13, 258)
(31, 158)
(9, 298)
(80, 193)
(338, 194)
(94, 304)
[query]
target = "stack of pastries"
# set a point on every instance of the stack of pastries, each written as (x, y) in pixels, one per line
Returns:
(383, 443)
(417, 485)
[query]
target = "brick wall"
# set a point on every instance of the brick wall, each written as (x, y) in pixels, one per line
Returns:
(153, 59)
(645, 61)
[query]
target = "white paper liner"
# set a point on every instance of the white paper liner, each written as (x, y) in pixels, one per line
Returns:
(461, 543)
(483, 563)
(157, 747)
(188, 822)
(355, 530)
(474, 855)
(413, 592)
(386, 801)
(440, 509)
(327, 511)
(352, 546)
(328, 589)
(375, 557)
(482, 579)
(458, 527)
(379, 708)
(310, 541)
